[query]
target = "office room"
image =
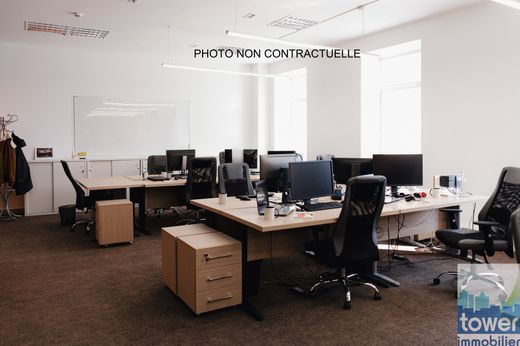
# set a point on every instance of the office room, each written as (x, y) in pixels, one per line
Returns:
(259, 171)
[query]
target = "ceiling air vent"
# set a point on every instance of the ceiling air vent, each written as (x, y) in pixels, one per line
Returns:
(65, 30)
(294, 23)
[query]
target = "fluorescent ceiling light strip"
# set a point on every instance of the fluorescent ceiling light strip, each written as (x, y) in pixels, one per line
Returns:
(510, 3)
(140, 104)
(289, 43)
(193, 68)
(276, 40)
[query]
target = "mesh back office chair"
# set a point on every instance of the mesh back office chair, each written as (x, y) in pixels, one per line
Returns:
(221, 158)
(86, 203)
(156, 164)
(201, 183)
(352, 248)
(234, 179)
(498, 229)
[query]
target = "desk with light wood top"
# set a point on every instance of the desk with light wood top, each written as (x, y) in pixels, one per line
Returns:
(108, 183)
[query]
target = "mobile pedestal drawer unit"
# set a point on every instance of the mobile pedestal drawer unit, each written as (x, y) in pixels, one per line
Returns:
(114, 221)
(169, 236)
(209, 270)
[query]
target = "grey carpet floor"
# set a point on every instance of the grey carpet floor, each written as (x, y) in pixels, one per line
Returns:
(58, 287)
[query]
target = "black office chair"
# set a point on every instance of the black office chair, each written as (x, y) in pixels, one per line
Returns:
(235, 179)
(156, 164)
(498, 229)
(83, 203)
(201, 183)
(352, 248)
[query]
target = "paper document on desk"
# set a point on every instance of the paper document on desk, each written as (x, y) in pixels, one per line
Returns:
(303, 215)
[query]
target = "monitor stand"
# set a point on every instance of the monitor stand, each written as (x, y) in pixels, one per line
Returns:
(394, 191)
(183, 174)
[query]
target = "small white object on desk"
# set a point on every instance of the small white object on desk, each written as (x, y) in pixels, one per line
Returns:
(269, 213)
(222, 198)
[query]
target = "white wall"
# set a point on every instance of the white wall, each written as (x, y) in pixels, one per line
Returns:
(470, 93)
(333, 106)
(38, 83)
(470, 90)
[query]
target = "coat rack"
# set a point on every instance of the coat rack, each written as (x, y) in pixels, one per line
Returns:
(6, 212)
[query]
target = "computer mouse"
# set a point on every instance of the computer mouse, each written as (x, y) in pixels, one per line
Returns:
(244, 198)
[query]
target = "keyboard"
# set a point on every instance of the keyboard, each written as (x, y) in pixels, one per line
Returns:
(321, 206)
(157, 178)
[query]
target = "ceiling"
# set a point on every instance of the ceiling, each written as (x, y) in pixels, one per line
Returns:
(143, 26)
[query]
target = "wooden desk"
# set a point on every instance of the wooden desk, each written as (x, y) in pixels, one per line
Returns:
(109, 183)
(262, 238)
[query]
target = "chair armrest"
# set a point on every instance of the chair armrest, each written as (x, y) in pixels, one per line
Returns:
(486, 223)
(451, 210)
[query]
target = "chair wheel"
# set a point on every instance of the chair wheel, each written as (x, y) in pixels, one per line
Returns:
(347, 305)
(436, 281)
(377, 296)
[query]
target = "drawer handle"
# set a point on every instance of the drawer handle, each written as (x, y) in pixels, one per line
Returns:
(207, 257)
(227, 296)
(215, 278)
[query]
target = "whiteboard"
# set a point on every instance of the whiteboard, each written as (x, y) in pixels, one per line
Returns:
(116, 127)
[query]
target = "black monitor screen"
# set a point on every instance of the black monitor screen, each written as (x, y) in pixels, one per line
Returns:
(274, 169)
(280, 152)
(228, 156)
(251, 158)
(174, 159)
(400, 170)
(346, 168)
(311, 179)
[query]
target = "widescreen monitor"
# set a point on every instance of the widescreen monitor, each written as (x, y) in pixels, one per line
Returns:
(310, 179)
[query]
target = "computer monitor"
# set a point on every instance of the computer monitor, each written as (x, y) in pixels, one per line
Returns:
(228, 156)
(177, 160)
(346, 168)
(311, 179)
(399, 170)
(274, 169)
(251, 158)
(280, 152)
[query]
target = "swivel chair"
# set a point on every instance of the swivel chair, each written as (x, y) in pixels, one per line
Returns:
(352, 247)
(498, 229)
(201, 182)
(156, 165)
(234, 179)
(83, 202)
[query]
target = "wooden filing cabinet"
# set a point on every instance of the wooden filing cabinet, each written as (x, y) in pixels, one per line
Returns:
(209, 271)
(169, 236)
(114, 221)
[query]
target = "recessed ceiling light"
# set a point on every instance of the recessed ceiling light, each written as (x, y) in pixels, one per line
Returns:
(65, 30)
(290, 22)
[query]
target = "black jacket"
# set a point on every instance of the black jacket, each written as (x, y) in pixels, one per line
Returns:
(23, 182)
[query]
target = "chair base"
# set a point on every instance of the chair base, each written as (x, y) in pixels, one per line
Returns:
(471, 275)
(88, 223)
(340, 278)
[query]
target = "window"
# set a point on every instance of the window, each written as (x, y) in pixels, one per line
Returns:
(391, 100)
(290, 112)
